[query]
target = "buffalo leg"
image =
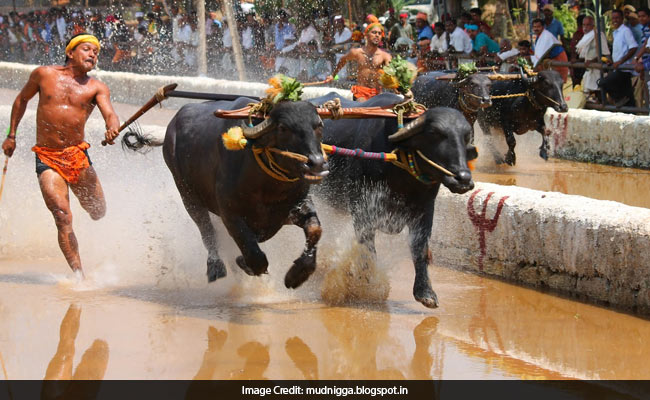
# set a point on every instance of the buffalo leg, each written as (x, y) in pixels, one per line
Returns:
(201, 217)
(305, 217)
(365, 232)
(419, 234)
(253, 260)
(511, 158)
(543, 149)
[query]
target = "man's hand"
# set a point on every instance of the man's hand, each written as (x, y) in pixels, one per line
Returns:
(616, 64)
(110, 135)
(638, 66)
(8, 146)
(329, 79)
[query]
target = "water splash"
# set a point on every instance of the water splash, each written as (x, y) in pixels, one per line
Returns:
(351, 275)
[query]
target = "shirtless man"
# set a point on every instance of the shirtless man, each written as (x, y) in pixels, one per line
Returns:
(370, 59)
(67, 97)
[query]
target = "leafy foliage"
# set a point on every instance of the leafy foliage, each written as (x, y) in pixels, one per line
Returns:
(284, 88)
(568, 19)
(465, 70)
(399, 74)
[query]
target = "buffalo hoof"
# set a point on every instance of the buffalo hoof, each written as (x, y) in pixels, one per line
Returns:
(300, 271)
(242, 264)
(427, 297)
(511, 158)
(543, 153)
(216, 269)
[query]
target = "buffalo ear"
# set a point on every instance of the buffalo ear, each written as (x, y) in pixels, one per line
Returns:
(472, 152)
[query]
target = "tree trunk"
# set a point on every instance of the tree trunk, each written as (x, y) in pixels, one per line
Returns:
(201, 50)
(236, 43)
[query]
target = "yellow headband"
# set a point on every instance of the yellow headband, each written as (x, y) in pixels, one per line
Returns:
(374, 25)
(82, 39)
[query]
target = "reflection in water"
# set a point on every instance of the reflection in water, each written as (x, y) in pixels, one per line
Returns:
(91, 367)
(423, 359)
(302, 356)
(257, 360)
(482, 324)
(355, 353)
(216, 340)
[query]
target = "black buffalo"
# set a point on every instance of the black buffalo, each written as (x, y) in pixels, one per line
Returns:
(380, 195)
(252, 205)
(468, 95)
(518, 115)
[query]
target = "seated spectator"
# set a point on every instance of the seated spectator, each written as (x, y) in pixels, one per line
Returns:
(618, 83)
(587, 50)
(525, 50)
(456, 39)
(481, 43)
(506, 52)
(437, 44)
(547, 46)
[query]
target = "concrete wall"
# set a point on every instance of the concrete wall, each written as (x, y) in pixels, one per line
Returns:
(573, 244)
(137, 89)
(600, 136)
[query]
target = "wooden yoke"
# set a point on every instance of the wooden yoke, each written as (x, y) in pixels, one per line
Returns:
(347, 113)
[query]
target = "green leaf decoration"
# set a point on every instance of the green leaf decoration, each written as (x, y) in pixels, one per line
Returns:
(465, 70)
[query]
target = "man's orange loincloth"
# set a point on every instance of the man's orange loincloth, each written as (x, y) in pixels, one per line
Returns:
(68, 162)
(363, 93)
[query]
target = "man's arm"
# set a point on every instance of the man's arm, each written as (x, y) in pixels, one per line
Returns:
(103, 99)
(339, 66)
(18, 109)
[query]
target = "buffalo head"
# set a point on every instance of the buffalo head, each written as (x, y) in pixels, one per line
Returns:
(475, 90)
(441, 135)
(547, 90)
(294, 127)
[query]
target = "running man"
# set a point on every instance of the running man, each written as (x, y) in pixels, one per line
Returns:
(370, 59)
(67, 97)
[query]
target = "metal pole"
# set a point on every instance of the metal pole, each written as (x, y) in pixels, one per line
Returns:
(598, 45)
(234, 34)
(530, 25)
(201, 50)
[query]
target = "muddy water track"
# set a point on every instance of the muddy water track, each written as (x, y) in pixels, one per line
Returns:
(147, 312)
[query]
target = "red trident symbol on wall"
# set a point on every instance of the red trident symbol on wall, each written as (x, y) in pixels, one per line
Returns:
(481, 223)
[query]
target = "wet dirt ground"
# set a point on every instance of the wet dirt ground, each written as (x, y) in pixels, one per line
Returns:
(147, 312)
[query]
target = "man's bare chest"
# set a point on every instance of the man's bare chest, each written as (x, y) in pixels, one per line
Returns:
(68, 92)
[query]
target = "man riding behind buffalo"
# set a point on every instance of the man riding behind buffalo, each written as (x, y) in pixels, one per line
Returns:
(370, 59)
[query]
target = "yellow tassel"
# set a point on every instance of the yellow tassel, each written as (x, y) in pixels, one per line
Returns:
(234, 139)
(389, 81)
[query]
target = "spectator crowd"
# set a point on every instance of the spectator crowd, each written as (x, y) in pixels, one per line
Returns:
(309, 46)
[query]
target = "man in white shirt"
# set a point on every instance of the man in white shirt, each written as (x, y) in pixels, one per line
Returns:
(342, 35)
(437, 44)
(618, 83)
(456, 39)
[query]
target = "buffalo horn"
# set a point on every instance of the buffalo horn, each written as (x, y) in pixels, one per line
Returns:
(409, 130)
(259, 129)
